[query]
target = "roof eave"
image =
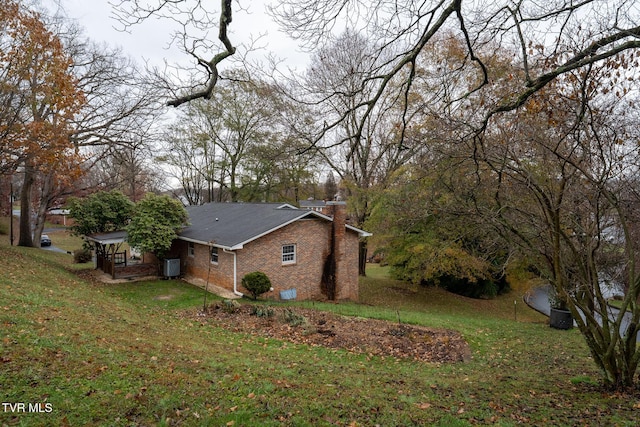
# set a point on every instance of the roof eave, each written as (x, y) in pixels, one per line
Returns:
(202, 242)
(362, 233)
(106, 241)
(108, 238)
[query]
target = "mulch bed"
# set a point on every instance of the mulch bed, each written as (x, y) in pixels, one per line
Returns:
(355, 334)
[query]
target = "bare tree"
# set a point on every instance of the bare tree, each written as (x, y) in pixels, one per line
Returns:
(115, 122)
(548, 39)
(191, 156)
(196, 20)
(582, 32)
(127, 169)
(217, 139)
(563, 172)
(362, 151)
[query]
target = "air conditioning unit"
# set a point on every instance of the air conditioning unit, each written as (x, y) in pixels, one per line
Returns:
(171, 267)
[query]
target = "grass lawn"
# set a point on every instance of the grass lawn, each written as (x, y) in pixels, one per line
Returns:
(123, 355)
(60, 236)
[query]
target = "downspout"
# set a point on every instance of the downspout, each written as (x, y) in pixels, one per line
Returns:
(235, 272)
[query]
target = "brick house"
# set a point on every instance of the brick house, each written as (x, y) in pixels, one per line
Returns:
(314, 205)
(315, 254)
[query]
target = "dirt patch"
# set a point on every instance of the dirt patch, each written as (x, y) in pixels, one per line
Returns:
(313, 327)
(164, 297)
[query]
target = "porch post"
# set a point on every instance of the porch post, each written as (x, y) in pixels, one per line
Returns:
(113, 261)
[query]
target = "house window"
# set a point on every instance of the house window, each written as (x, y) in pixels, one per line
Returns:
(191, 249)
(214, 255)
(288, 254)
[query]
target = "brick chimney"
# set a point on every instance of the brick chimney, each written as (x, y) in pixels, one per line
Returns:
(338, 210)
(334, 269)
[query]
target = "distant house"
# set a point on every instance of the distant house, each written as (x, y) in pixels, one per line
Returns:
(303, 252)
(59, 216)
(314, 205)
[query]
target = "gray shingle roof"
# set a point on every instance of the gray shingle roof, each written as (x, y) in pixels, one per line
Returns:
(231, 225)
(108, 238)
(312, 203)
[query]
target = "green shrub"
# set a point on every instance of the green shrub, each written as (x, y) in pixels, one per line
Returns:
(81, 256)
(294, 319)
(230, 306)
(257, 283)
(260, 311)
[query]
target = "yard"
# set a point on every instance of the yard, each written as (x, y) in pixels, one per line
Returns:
(322, 328)
(145, 354)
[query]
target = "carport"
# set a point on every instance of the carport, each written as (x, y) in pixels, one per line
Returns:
(107, 248)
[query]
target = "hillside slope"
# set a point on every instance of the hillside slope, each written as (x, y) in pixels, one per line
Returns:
(74, 352)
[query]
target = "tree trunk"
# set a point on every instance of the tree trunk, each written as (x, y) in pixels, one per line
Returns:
(233, 190)
(26, 239)
(612, 347)
(362, 258)
(46, 198)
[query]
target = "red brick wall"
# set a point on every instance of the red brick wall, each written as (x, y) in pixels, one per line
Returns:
(346, 253)
(199, 265)
(311, 237)
(265, 254)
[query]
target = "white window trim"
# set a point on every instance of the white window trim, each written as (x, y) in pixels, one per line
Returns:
(191, 249)
(211, 255)
(288, 254)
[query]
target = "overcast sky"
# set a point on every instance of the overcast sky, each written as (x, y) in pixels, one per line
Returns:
(149, 41)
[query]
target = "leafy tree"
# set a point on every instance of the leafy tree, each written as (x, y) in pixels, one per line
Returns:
(100, 212)
(109, 116)
(39, 95)
(40, 99)
(274, 172)
(237, 123)
(155, 223)
(428, 228)
(220, 138)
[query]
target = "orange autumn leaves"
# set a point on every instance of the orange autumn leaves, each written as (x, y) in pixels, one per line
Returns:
(38, 92)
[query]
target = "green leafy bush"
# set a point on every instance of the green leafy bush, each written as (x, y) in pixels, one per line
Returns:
(81, 256)
(424, 260)
(101, 212)
(294, 319)
(155, 223)
(230, 306)
(257, 283)
(260, 311)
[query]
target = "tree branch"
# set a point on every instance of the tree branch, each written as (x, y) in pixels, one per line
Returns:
(212, 66)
